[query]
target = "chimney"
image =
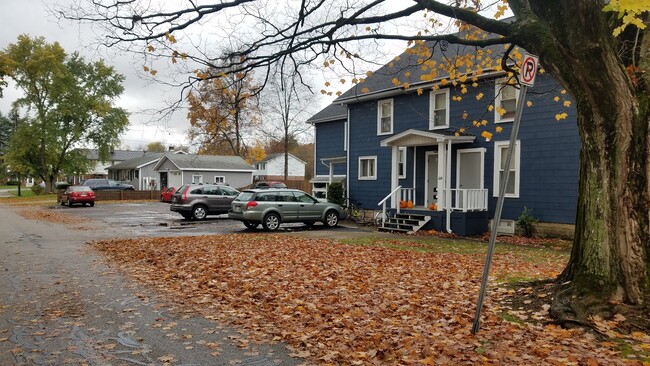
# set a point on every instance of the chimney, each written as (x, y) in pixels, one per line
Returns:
(172, 148)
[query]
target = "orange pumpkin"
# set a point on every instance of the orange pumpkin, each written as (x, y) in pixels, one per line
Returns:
(402, 204)
(409, 204)
(433, 207)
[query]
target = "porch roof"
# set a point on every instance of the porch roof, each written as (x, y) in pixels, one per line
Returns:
(334, 160)
(414, 137)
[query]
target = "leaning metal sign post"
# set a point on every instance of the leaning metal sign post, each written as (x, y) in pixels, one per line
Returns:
(526, 79)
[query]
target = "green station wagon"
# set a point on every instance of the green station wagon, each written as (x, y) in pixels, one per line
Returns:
(274, 207)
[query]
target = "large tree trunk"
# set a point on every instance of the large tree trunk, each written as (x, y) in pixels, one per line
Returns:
(610, 257)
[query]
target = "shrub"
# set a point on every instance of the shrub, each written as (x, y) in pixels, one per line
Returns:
(526, 222)
(12, 182)
(38, 190)
(335, 193)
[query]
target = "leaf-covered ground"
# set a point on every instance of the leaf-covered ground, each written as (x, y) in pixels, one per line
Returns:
(366, 304)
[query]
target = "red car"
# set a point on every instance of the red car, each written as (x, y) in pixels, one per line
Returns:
(78, 194)
(166, 194)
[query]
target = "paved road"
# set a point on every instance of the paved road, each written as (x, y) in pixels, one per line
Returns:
(61, 304)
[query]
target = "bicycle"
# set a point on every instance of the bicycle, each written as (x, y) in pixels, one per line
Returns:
(353, 211)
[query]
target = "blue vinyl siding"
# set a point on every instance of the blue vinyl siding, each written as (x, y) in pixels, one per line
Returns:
(550, 151)
(549, 169)
(329, 144)
(549, 148)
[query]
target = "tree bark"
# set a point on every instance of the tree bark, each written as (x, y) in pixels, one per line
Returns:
(610, 257)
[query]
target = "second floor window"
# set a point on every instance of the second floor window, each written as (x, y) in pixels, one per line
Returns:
(505, 102)
(385, 117)
(439, 109)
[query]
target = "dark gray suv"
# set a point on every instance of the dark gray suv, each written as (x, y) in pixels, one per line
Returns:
(198, 201)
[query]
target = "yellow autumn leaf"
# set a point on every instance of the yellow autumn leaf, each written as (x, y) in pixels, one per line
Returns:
(490, 108)
(146, 69)
(499, 129)
(395, 81)
(486, 135)
(529, 103)
(557, 99)
(365, 90)
(567, 103)
(501, 111)
(153, 72)
(150, 48)
(561, 116)
(479, 96)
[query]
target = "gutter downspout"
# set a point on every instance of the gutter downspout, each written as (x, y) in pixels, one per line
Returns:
(448, 189)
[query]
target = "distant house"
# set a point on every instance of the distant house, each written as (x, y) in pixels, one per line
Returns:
(99, 167)
(272, 168)
(137, 171)
(174, 170)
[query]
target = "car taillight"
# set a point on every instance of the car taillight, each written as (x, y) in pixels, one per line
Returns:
(251, 204)
(185, 195)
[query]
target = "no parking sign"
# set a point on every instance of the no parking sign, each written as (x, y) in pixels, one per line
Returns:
(529, 69)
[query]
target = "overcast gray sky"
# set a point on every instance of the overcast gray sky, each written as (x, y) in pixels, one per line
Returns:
(31, 17)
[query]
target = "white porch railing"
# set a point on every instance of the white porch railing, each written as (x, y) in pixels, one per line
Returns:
(407, 194)
(382, 203)
(466, 199)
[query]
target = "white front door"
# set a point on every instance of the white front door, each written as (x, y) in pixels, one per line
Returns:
(431, 186)
(470, 170)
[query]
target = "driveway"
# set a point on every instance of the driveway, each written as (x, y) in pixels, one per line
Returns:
(155, 219)
(62, 304)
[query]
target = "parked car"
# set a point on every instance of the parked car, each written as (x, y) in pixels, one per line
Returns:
(265, 185)
(78, 194)
(198, 201)
(167, 193)
(274, 207)
(107, 184)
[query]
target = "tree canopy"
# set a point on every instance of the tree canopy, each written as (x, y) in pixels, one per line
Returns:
(66, 103)
(597, 49)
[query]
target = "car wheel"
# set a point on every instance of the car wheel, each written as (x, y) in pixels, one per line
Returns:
(161, 199)
(309, 223)
(271, 222)
(251, 225)
(199, 212)
(331, 218)
(69, 203)
(92, 204)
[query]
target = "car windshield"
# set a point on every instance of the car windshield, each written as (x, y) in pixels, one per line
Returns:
(244, 196)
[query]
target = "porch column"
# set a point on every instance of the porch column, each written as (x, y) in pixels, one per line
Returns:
(331, 172)
(394, 174)
(442, 173)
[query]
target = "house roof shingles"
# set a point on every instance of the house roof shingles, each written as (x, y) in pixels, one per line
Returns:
(136, 162)
(208, 162)
(332, 112)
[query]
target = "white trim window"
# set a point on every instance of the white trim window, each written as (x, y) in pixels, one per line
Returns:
(367, 167)
(219, 179)
(401, 163)
(505, 101)
(385, 117)
(197, 179)
(500, 155)
(439, 109)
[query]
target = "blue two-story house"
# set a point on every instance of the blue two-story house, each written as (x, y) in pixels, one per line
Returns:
(444, 143)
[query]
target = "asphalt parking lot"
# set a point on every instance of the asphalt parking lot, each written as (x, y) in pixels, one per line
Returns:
(155, 219)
